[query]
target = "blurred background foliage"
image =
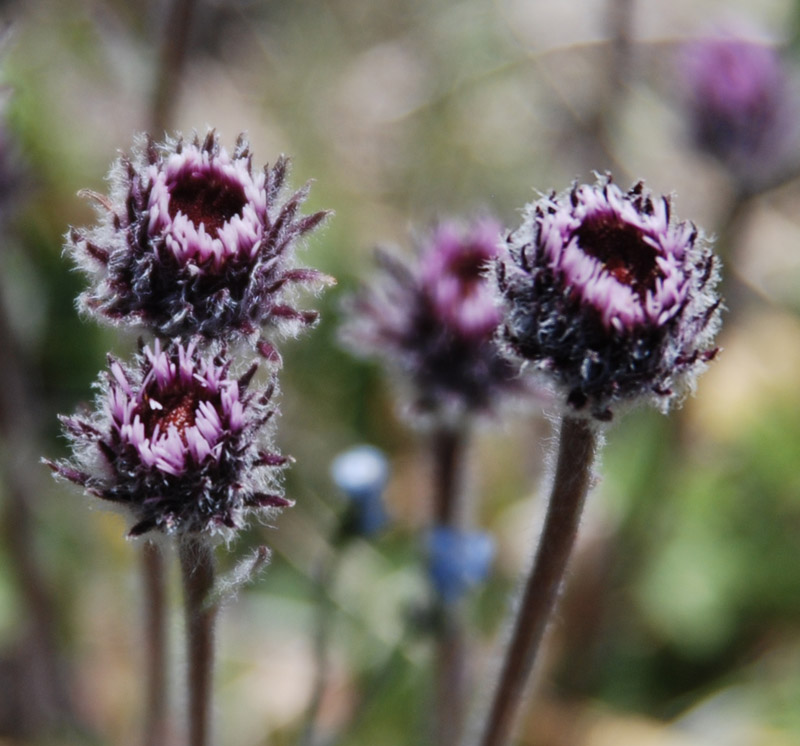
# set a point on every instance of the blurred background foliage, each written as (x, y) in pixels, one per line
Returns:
(681, 622)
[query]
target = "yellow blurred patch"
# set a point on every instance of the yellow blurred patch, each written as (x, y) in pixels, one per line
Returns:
(757, 369)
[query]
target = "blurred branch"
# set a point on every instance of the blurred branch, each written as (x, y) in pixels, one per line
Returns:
(46, 701)
(171, 65)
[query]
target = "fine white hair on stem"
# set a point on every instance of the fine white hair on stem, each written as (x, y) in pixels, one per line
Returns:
(244, 572)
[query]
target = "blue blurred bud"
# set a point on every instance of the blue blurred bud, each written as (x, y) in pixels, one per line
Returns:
(361, 473)
(458, 560)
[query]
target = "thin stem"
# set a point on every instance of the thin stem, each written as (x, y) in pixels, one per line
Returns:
(197, 566)
(324, 580)
(154, 588)
(450, 675)
(448, 454)
(577, 448)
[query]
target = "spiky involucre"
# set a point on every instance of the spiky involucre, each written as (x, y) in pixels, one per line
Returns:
(191, 242)
(608, 297)
(178, 443)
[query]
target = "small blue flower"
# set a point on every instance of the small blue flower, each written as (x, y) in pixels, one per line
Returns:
(458, 560)
(361, 473)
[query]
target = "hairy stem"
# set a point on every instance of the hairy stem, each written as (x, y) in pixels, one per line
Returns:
(197, 567)
(448, 454)
(154, 590)
(577, 446)
(450, 675)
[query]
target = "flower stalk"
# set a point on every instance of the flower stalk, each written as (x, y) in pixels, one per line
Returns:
(197, 571)
(154, 589)
(573, 477)
(450, 674)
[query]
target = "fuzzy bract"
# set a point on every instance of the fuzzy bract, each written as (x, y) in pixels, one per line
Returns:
(178, 443)
(434, 321)
(609, 297)
(190, 241)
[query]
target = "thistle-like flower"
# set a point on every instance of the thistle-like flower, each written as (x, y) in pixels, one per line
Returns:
(191, 242)
(435, 322)
(609, 297)
(178, 443)
(741, 106)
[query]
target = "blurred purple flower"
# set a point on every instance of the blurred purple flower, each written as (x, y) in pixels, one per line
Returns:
(435, 322)
(191, 241)
(741, 106)
(452, 276)
(178, 443)
(609, 297)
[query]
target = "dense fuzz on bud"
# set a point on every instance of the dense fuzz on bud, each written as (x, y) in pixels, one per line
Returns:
(178, 443)
(609, 297)
(435, 322)
(191, 242)
(741, 106)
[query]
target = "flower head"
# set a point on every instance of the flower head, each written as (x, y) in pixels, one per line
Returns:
(177, 442)
(435, 322)
(191, 241)
(609, 296)
(741, 107)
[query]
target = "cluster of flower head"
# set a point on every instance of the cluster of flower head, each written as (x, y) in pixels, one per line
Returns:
(741, 106)
(609, 296)
(196, 249)
(436, 321)
(191, 241)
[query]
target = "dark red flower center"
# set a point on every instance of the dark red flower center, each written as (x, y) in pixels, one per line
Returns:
(621, 247)
(178, 411)
(468, 266)
(206, 199)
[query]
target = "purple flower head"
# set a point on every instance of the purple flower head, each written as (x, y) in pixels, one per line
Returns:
(740, 104)
(436, 321)
(191, 241)
(177, 442)
(609, 296)
(452, 277)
